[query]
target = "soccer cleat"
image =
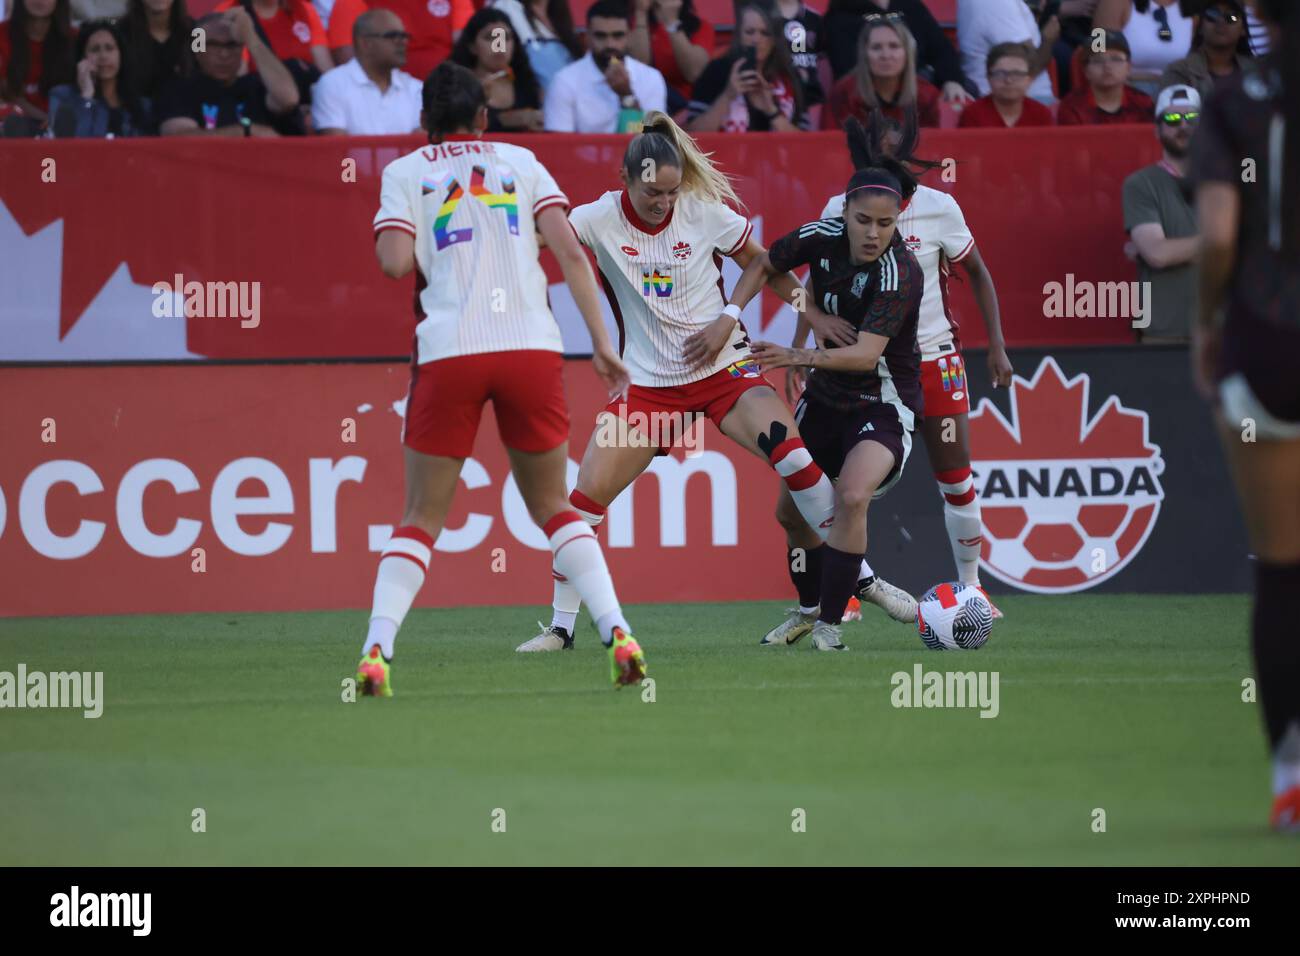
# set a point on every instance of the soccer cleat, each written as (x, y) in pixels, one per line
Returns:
(853, 610)
(1285, 817)
(895, 602)
(552, 638)
(996, 613)
(826, 637)
(626, 659)
(795, 626)
(375, 675)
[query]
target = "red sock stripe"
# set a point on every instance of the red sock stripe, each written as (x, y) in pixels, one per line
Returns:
(965, 498)
(583, 503)
(409, 557)
(560, 520)
(558, 576)
(953, 477)
(783, 449)
(415, 534)
(805, 477)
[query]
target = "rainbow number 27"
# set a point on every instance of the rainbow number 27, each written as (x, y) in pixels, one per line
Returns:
(454, 192)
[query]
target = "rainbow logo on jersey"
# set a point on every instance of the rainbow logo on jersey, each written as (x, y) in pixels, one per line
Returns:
(661, 282)
(953, 373)
(505, 201)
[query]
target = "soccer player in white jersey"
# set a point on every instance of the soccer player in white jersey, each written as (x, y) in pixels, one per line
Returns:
(934, 229)
(659, 244)
(464, 214)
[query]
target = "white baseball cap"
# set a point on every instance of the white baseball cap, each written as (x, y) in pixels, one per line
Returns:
(1177, 92)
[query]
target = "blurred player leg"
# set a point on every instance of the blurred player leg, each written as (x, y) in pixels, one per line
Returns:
(430, 484)
(577, 555)
(1267, 475)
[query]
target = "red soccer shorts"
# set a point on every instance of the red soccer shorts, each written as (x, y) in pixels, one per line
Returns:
(713, 397)
(943, 383)
(446, 399)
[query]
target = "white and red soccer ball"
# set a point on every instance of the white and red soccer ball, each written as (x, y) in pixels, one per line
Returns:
(954, 617)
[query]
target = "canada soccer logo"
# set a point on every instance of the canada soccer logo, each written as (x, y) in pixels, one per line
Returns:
(439, 8)
(302, 31)
(1065, 506)
(682, 250)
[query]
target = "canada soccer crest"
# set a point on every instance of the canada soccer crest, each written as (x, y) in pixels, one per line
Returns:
(439, 8)
(302, 31)
(682, 250)
(1065, 506)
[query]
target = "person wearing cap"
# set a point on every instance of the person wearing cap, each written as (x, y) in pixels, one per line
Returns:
(1106, 97)
(1161, 223)
(1220, 49)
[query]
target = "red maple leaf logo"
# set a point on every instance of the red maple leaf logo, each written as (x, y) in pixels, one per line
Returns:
(1043, 410)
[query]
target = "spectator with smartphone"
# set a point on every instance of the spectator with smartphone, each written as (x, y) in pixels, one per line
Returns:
(754, 88)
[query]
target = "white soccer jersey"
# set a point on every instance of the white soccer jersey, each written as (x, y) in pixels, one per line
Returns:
(935, 230)
(664, 283)
(471, 206)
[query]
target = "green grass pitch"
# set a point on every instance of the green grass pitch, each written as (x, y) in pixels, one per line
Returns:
(1130, 704)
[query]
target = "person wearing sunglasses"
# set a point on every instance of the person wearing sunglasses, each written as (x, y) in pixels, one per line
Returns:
(936, 59)
(1162, 224)
(1106, 97)
(1157, 31)
(1220, 49)
(371, 94)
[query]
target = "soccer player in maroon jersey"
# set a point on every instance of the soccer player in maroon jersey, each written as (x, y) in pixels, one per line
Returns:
(864, 399)
(1244, 350)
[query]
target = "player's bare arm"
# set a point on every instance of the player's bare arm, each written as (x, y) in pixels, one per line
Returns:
(986, 297)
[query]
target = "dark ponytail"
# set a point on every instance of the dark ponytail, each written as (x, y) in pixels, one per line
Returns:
(868, 154)
(452, 98)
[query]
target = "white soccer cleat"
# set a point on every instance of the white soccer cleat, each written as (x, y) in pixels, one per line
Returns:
(826, 637)
(895, 602)
(552, 638)
(795, 626)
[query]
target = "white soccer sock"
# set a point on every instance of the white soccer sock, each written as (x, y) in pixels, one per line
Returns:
(866, 571)
(812, 491)
(579, 559)
(961, 516)
(565, 602)
(1286, 761)
(402, 568)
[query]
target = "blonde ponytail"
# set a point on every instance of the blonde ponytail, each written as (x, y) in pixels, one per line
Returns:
(699, 176)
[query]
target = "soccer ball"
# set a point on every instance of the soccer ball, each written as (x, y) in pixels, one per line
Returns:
(954, 617)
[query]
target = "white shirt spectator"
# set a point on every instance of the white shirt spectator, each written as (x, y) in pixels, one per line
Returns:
(345, 98)
(580, 100)
(323, 10)
(983, 24)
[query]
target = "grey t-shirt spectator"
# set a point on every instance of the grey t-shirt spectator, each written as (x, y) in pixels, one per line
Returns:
(1153, 194)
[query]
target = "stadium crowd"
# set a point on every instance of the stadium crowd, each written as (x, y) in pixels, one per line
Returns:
(113, 68)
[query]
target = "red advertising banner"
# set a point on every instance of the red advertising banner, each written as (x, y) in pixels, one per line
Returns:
(91, 231)
(259, 488)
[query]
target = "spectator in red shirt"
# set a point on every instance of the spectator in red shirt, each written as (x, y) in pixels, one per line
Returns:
(885, 78)
(670, 36)
(293, 30)
(434, 26)
(338, 34)
(1007, 106)
(36, 54)
(1106, 97)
